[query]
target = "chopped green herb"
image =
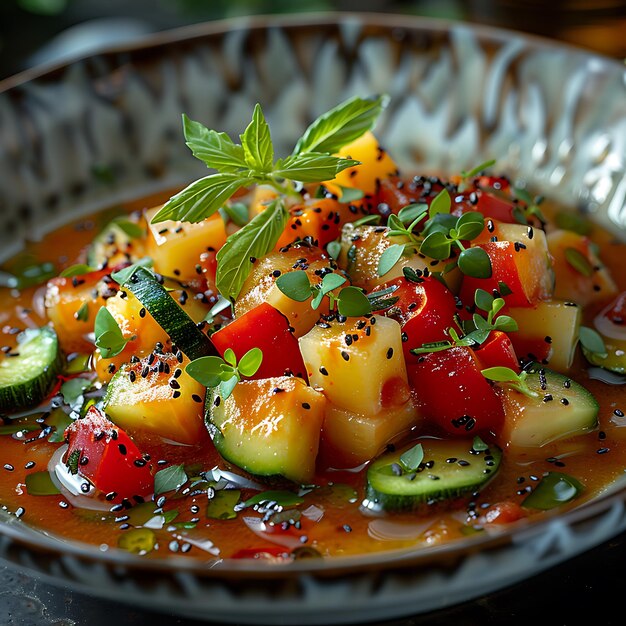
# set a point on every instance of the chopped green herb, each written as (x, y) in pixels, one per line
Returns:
(40, 484)
(137, 540)
(411, 459)
(281, 498)
(578, 261)
(170, 478)
(554, 489)
(592, 341)
(109, 338)
(222, 504)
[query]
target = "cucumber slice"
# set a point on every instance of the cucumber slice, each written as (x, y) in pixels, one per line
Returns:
(614, 360)
(449, 469)
(26, 379)
(169, 315)
(562, 408)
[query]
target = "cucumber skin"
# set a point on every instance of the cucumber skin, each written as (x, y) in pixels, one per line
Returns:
(417, 502)
(171, 317)
(32, 392)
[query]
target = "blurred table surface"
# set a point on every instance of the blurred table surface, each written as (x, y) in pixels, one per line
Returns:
(590, 586)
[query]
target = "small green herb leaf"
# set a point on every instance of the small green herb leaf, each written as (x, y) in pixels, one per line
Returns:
(169, 479)
(331, 282)
(312, 167)
(109, 338)
(578, 261)
(554, 489)
(411, 459)
(257, 143)
(250, 362)
(475, 262)
(350, 194)
(478, 169)
(470, 225)
(334, 249)
(441, 203)
(129, 228)
(592, 341)
(507, 375)
(483, 300)
(121, 277)
(76, 270)
(389, 258)
(341, 125)
(436, 245)
(82, 315)
(412, 212)
(237, 213)
(353, 302)
(207, 370)
(479, 445)
(295, 285)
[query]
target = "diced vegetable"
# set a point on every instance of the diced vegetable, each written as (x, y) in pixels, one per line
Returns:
(28, 373)
(120, 241)
(175, 247)
(451, 392)
(269, 427)
(547, 333)
(260, 285)
(104, 454)
(156, 395)
(561, 408)
(448, 471)
(266, 328)
(580, 275)
(497, 351)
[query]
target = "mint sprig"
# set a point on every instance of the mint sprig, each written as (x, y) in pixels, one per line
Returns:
(225, 373)
(109, 338)
(511, 377)
(253, 160)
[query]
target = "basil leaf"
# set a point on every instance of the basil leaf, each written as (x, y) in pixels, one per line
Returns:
(350, 194)
(441, 203)
(257, 143)
(254, 240)
(217, 150)
(295, 285)
(411, 459)
(129, 228)
(237, 213)
(554, 489)
(475, 262)
(76, 270)
(250, 362)
(169, 479)
(206, 370)
(122, 276)
(202, 198)
(389, 258)
(28, 276)
(352, 302)
(312, 167)
(109, 337)
(591, 340)
(341, 125)
(578, 261)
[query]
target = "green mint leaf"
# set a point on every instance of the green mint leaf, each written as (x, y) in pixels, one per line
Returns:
(59, 420)
(170, 479)
(237, 213)
(282, 498)
(341, 125)
(478, 169)
(250, 362)
(206, 370)
(578, 261)
(257, 143)
(554, 489)
(334, 249)
(350, 194)
(312, 167)
(295, 285)
(217, 150)
(253, 241)
(109, 338)
(411, 459)
(411, 213)
(475, 262)
(436, 246)
(390, 257)
(470, 225)
(202, 198)
(483, 300)
(592, 341)
(82, 315)
(226, 386)
(76, 270)
(352, 302)
(121, 277)
(441, 203)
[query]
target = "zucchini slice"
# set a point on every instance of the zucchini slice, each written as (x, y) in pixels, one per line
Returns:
(169, 315)
(449, 469)
(27, 377)
(562, 408)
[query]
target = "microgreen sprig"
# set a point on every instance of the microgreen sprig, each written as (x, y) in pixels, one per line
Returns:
(225, 373)
(109, 337)
(483, 327)
(350, 301)
(512, 378)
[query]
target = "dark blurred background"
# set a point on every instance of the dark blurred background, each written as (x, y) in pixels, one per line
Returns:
(43, 31)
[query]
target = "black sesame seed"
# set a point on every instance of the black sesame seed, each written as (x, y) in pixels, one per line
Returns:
(323, 371)
(306, 406)
(345, 356)
(122, 448)
(389, 353)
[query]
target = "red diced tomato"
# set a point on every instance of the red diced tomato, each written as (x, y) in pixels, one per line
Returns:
(502, 513)
(266, 328)
(451, 392)
(495, 207)
(498, 351)
(106, 456)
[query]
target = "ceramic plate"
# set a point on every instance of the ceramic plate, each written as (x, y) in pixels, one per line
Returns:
(84, 135)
